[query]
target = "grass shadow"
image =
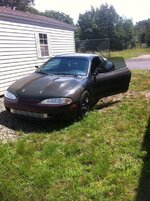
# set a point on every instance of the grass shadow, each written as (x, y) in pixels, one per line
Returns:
(143, 191)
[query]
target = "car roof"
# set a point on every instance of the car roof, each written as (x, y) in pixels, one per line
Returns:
(79, 55)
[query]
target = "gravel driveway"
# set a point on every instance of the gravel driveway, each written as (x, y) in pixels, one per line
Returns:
(141, 62)
(6, 123)
(10, 126)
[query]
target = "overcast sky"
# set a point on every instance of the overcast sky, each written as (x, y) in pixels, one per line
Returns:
(135, 9)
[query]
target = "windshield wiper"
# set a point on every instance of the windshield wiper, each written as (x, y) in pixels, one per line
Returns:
(41, 72)
(62, 73)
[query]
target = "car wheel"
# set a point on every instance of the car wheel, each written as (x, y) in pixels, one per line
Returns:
(85, 103)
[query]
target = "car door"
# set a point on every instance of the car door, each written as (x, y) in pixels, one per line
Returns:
(108, 80)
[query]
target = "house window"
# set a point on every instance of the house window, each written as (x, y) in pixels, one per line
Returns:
(43, 44)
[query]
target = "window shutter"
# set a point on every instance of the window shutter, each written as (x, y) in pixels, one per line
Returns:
(38, 49)
(49, 44)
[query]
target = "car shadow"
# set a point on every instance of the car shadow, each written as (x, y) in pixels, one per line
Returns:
(143, 191)
(30, 126)
(41, 126)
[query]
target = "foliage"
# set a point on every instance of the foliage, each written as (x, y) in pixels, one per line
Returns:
(143, 31)
(97, 23)
(58, 16)
(104, 22)
(124, 34)
(98, 158)
(33, 10)
(17, 4)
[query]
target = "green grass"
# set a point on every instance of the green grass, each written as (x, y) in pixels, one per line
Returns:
(130, 53)
(98, 158)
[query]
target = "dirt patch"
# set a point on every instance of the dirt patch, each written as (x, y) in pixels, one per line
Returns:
(112, 100)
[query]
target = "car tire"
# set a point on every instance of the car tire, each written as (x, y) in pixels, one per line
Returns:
(95, 101)
(85, 104)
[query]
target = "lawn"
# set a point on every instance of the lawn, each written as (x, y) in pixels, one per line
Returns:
(130, 53)
(103, 157)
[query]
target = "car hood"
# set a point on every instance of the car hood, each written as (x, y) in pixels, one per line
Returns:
(42, 86)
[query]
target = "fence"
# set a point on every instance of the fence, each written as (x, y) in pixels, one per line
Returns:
(99, 46)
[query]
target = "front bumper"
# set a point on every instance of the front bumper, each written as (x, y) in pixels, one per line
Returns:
(32, 109)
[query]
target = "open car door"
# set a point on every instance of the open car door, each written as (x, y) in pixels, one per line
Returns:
(111, 78)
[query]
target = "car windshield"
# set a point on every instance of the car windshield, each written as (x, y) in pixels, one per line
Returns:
(65, 66)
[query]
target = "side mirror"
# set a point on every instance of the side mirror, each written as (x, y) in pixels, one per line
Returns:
(109, 66)
(36, 66)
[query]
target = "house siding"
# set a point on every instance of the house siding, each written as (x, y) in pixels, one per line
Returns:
(19, 49)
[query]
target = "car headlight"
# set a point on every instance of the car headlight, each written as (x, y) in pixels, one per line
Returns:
(57, 101)
(9, 95)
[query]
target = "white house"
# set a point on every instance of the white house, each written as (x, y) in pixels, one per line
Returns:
(28, 40)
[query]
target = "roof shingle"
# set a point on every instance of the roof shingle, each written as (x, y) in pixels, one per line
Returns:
(8, 12)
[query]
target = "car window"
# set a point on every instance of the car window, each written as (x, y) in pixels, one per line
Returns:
(66, 65)
(54, 63)
(96, 61)
(119, 62)
(102, 65)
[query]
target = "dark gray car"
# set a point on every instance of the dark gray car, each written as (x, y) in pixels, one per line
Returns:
(66, 86)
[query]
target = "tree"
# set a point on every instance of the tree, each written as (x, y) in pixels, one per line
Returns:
(104, 22)
(33, 10)
(60, 16)
(124, 34)
(98, 23)
(88, 28)
(143, 31)
(17, 4)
